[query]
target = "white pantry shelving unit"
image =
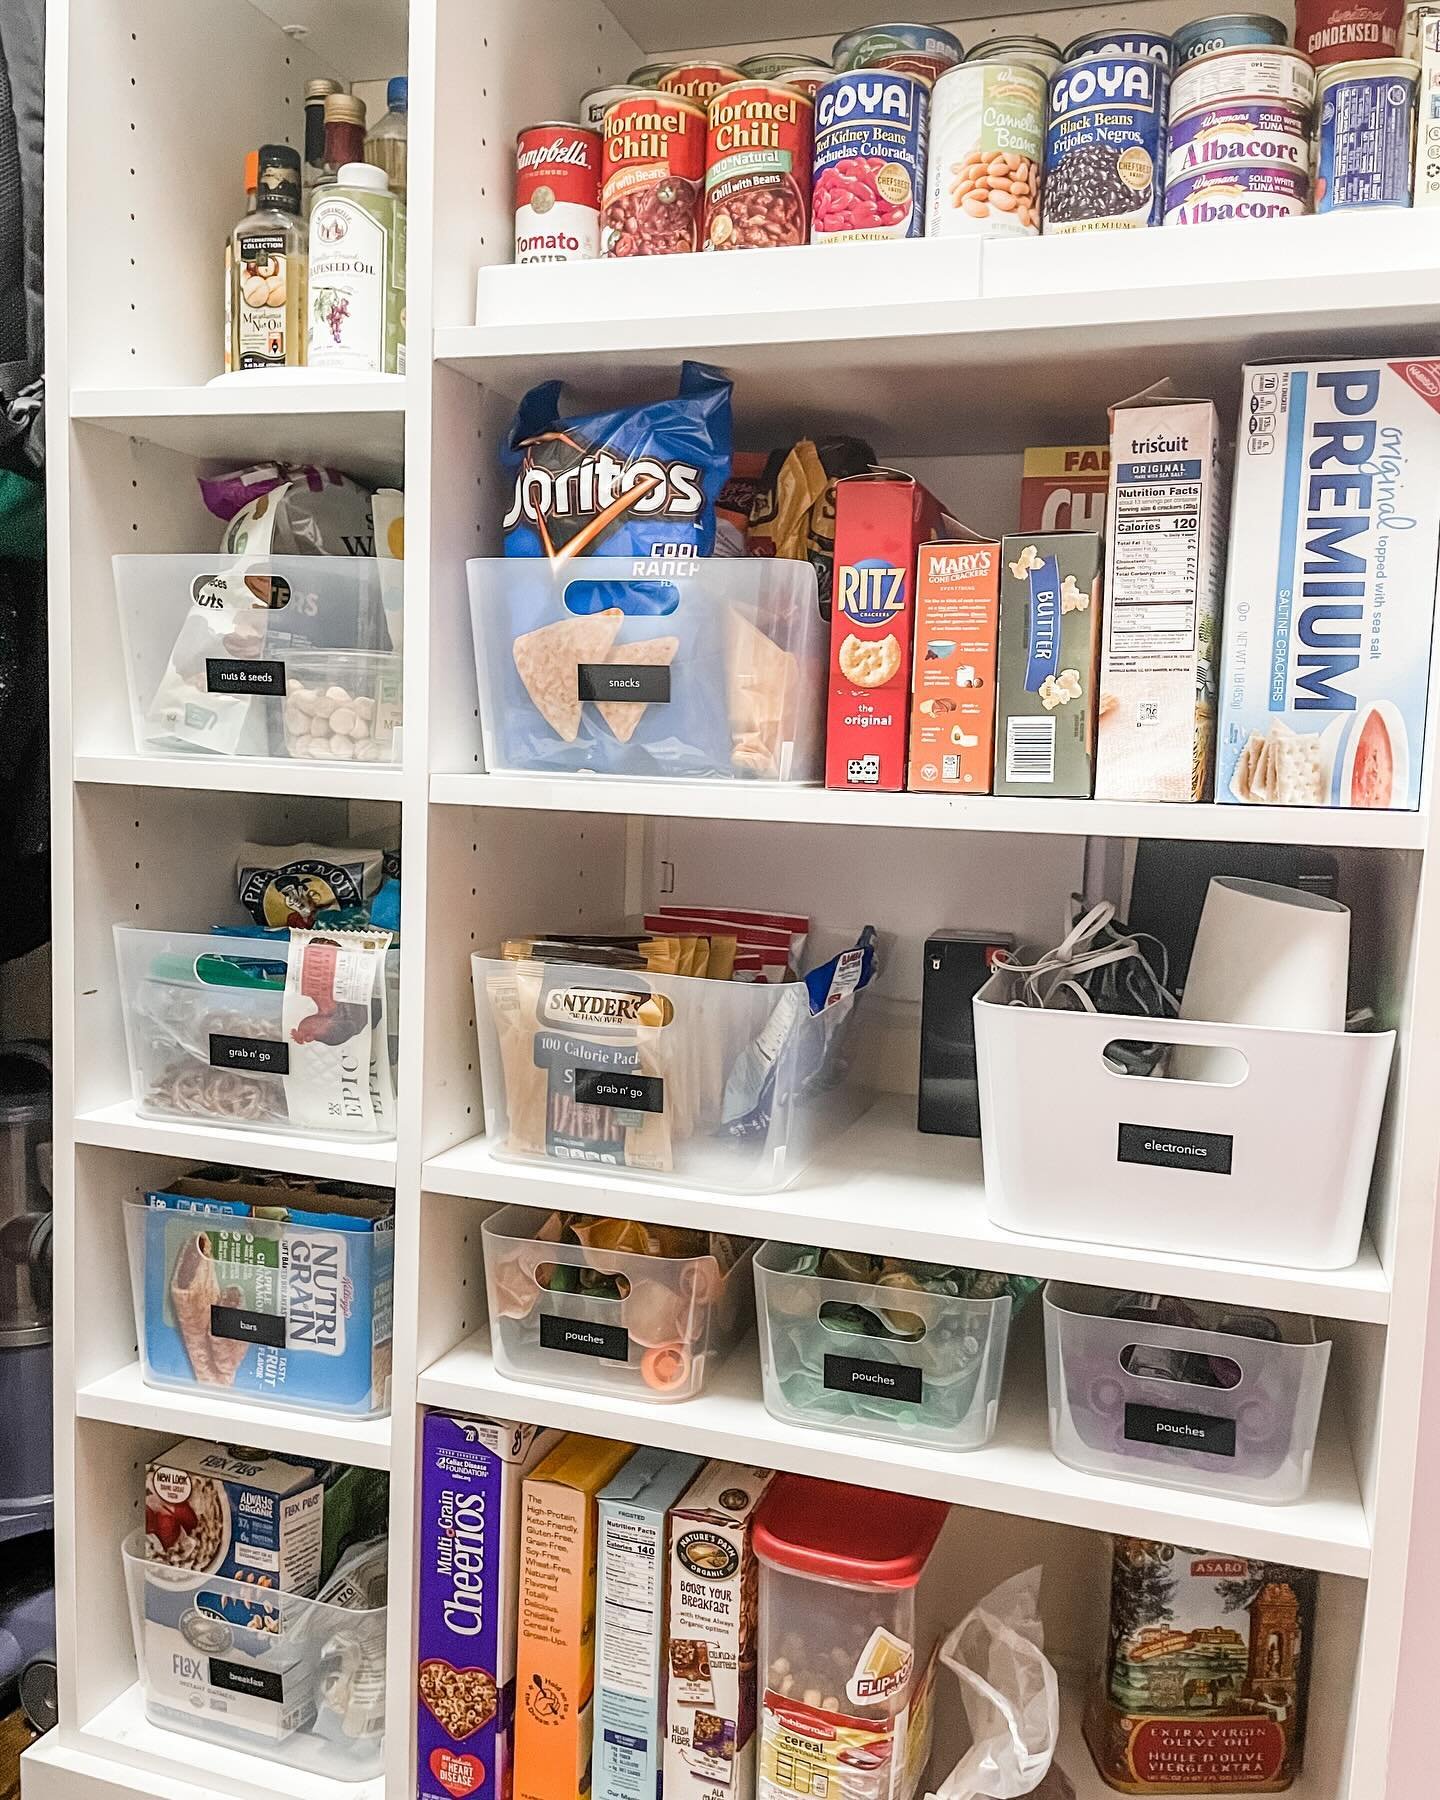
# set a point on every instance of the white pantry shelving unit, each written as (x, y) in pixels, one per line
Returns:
(951, 358)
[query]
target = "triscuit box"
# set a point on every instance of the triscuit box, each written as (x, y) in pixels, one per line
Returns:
(1049, 660)
(555, 1660)
(710, 1637)
(952, 712)
(1164, 564)
(470, 1485)
(630, 1622)
(1063, 487)
(1330, 600)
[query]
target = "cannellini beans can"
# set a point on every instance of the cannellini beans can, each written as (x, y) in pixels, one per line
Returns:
(1267, 133)
(1238, 191)
(557, 193)
(1245, 72)
(987, 136)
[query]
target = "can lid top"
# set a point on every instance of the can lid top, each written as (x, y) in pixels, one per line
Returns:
(1372, 65)
(553, 125)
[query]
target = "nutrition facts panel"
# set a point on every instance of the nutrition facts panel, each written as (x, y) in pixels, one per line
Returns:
(1155, 535)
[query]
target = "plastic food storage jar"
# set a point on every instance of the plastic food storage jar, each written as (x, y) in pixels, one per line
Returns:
(296, 1681)
(882, 1361)
(722, 1084)
(1223, 1411)
(844, 1640)
(612, 1321)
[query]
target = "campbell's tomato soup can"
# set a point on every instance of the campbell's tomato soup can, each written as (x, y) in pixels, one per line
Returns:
(923, 50)
(1331, 31)
(871, 130)
(652, 175)
(593, 105)
(698, 80)
(758, 154)
(557, 193)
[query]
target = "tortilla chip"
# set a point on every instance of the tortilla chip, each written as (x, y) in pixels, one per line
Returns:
(548, 660)
(623, 716)
(761, 682)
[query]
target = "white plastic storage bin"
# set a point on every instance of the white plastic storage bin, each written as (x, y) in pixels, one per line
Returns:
(262, 656)
(613, 1321)
(887, 1362)
(1273, 1168)
(1222, 1411)
(293, 1680)
(214, 1035)
(707, 668)
(722, 1084)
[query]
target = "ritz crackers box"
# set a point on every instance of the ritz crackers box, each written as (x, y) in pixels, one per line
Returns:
(555, 1661)
(952, 713)
(881, 519)
(1063, 487)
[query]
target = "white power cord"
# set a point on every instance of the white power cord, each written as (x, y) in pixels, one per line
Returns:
(1096, 961)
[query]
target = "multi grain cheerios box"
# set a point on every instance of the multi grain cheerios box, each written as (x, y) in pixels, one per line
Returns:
(1049, 662)
(1330, 601)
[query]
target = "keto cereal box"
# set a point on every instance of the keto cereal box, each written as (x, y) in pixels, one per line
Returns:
(1330, 600)
(1049, 660)
(1164, 564)
(952, 714)
(470, 1484)
(711, 1636)
(1063, 487)
(630, 1622)
(555, 1660)
(881, 519)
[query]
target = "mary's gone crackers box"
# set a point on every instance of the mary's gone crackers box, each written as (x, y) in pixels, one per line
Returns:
(952, 712)
(1049, 663)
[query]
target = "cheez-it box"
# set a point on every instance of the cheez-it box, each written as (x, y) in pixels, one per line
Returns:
(881, 519)
(952, 714)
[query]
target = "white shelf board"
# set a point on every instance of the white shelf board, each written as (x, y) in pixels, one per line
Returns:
(885, 1187)
(247, 775)
(660, 26)
(356, 425)
(122, 1398)
(931, 352)
(119, 1127)
(1015, 1473)
(763, 802)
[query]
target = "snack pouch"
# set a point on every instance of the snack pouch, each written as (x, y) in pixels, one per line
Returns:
(290, 509)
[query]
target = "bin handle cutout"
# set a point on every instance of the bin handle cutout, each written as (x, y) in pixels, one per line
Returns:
(1190, 1368)
(840, 1316)
(1200, 1065)
(267, 592)
(574, 1284)
(639, 599)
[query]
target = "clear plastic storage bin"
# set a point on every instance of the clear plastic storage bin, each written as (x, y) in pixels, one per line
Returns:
(295, 1680)
(1222, 1411)
(612, 1321)
(723, 1084)
(708, 668)
(213, 1035)
(886, 1362)
(263, 656)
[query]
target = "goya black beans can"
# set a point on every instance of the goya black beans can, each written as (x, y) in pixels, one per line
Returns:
(1105, 145)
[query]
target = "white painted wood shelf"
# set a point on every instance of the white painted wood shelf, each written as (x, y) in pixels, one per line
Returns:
(247, 775)
(120, 1127)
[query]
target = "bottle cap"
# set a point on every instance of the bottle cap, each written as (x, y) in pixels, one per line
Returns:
(344, 109)
(321, 86)
(397, 93)
(363, 175)
(278, 176)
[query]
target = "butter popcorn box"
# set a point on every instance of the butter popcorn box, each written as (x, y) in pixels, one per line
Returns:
(1049, 660)
(1330, 601)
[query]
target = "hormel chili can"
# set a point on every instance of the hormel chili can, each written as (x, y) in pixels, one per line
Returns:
(698, 80)
(557, 193)
(1331, 31)
(758, 152)
(652, 175)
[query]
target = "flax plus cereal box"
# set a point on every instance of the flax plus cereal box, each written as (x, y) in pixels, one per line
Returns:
(1063, 487)
(711, 1636)
(1330, 598)
(952, 714)
(555, 1660)
(1049, 661)
(470, 1485)
(881, 519)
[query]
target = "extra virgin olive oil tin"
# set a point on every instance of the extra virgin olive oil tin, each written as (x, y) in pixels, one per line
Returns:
(1105, 145)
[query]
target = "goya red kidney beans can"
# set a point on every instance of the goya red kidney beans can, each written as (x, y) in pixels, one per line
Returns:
(697, 80)
(871, 127)
(557, 193)
(923, 50)
(1224, 31)
(653, 175)
(1105, 145)
(1364, 134)
(1331, 31)
(758, 153)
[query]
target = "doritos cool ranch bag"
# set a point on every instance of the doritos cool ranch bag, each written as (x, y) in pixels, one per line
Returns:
(639, 482)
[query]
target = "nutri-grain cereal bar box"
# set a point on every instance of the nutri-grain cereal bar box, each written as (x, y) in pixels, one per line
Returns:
(881, 519)
(470, 1484)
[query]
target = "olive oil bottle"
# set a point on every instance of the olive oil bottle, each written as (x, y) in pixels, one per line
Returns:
(268, 268)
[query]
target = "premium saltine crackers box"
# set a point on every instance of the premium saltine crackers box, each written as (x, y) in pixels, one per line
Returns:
(1048, 663)
(1330, 599)
(1164, 563)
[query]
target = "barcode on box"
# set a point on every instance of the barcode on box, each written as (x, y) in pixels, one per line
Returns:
(1030, 750)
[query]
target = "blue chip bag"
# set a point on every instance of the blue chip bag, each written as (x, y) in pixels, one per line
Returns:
(641, 482)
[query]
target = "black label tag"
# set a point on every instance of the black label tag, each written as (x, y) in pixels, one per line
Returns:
(582, 1339)
(647, 682)
(883, 1380)
(243, 675)
(613, 1087)
(1179, 1430)
(1163, 1147)
(257, 1056)
(245, 1678)
(247, 1327)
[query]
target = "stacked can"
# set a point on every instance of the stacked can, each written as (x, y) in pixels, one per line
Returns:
(921, 50)
(1239, 143)
(1224, 31)
(1365, 134)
